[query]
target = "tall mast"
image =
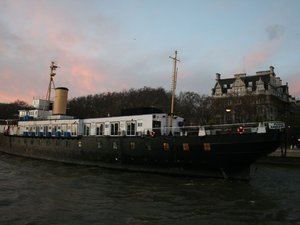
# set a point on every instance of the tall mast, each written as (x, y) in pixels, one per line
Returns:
(174, 81)
(53, 68)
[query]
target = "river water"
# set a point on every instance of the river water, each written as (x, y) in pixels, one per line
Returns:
(41, 192)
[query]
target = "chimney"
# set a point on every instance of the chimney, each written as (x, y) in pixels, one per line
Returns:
(272, 70)
(218, 77)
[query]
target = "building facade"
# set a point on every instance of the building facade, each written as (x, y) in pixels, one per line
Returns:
(262, 96)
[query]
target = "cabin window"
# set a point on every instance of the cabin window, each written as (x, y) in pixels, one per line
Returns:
(140, 124)
(100, 129)
(86, 129)
(74, 129)
(63, 129)
(54, 129)
(130, 128)
(31, 131)
(37, 130)
(114, 129)
(45, 129)
(156, 127)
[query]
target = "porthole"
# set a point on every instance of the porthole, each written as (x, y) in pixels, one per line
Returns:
(148, 146)
(114, 145)
(186, 147)
(132, 145)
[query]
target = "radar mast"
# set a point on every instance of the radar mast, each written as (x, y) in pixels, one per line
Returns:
(51, 85)
(174, 81)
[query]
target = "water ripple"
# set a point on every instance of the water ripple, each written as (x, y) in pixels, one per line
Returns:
(40, 192)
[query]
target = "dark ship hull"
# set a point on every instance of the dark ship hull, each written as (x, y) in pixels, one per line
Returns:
(225, 155)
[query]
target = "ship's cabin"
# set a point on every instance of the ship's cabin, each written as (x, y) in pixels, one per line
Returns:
(134, 125)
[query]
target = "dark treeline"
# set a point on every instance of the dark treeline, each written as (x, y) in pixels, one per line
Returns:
(10, 111)
(195, 108)
(192, 106)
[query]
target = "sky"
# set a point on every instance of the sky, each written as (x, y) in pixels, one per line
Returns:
(115, 45)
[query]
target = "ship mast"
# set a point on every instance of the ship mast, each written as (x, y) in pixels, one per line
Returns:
(53, 68)
(174, 81)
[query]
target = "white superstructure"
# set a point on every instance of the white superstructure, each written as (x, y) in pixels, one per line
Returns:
(156, 124)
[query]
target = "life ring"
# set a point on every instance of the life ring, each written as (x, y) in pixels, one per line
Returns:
(241, 130)
(152, 133)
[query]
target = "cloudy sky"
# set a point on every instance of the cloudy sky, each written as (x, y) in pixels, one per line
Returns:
(113, 45)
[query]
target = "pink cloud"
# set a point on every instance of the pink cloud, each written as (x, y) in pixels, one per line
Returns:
(82, 77)
(46, 34)
(15, 87)
(295, 89)
(260, 56)
(6, 98)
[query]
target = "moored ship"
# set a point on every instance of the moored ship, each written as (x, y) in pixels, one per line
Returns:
(148, 141)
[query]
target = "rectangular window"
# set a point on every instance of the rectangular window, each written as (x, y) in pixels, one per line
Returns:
(132, 145)
(37, 131)
(99, 129)
(114, 128)
(45, 130)
(63, 129)
(86, 129)
(186, 147)
(74, 129)
(130, 128)
(166, 146)
(54, 129)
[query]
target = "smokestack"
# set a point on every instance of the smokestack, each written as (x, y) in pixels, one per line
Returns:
(60, 101)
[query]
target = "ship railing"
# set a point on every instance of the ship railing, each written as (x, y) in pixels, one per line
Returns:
(252, 127)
